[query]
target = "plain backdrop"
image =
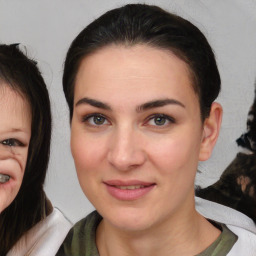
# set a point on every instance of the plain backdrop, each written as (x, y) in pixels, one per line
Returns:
(47, 27)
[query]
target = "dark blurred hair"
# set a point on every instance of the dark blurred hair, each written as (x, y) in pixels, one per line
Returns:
(29, 207)
(150, 25)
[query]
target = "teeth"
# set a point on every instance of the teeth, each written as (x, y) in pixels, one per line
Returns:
(130, 187)
(4, 178)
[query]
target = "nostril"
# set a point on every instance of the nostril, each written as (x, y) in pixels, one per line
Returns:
(127, 161)
(125, 153)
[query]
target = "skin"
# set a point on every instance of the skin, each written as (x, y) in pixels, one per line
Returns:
(15, 132)
(120, 136)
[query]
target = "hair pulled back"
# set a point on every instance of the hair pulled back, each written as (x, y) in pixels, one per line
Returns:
(150, 25)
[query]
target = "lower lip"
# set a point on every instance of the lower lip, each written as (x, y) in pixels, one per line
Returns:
(128, 194)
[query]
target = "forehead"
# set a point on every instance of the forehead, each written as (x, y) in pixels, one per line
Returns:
(133, 69)
(132, 57)
(15, 112)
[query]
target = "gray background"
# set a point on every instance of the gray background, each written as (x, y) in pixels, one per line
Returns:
(47, 28)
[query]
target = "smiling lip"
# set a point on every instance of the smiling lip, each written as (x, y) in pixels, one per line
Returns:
(10, 183)
(11, 174)
(4, 178)
(128, 190)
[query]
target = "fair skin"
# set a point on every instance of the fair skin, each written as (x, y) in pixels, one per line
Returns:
(15, 132)
(136, 139)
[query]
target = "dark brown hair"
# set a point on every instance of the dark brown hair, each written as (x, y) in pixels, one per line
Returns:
(150, 25)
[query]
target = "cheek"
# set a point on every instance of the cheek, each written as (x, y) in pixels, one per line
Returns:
(9, 191)
(177, 154)
(175, 163)
(88, 154)
(22, 160)
(89, 160)
(19, 165)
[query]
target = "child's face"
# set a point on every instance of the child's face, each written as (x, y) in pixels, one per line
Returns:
(15, 132)
(136, 135)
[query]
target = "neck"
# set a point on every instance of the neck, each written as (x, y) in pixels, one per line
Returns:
(189, 234)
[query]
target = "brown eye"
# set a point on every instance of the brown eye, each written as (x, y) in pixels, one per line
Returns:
(160, 120)
(95, 120)
(99, 120)
(11, 142)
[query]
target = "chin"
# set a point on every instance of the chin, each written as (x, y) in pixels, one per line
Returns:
(131, 225)
(132, 220)
(8, 192)
(5, 204)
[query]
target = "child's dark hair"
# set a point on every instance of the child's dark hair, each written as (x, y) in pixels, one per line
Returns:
(30, 205)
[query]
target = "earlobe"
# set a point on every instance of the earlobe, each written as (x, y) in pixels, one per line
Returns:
(210, 131)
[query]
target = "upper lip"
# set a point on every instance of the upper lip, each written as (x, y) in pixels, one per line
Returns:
(128, 183)
(7, 173)
(10, 173)
(4, 178)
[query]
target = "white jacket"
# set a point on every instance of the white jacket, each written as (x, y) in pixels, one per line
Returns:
(45, 238)
(236, 221)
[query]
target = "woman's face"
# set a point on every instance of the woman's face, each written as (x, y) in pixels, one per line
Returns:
(15, 132)
(136, 135)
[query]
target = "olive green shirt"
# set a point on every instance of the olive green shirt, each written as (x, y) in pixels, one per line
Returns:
(81, 239)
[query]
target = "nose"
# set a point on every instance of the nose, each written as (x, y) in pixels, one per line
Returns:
(126, 150)
(5, 152)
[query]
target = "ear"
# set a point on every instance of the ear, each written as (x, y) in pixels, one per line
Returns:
(211, 131)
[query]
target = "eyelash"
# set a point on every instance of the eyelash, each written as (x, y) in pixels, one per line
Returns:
(162, 116)
(11, 142)
(86, 119)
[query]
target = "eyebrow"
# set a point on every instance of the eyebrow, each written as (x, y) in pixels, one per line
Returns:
(15, 131)
(158, 103)
(94, 103)
(18, 130)
(141, 108)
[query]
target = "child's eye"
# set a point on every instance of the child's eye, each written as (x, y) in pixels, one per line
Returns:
(95, 120)
(11, 142)
(160, 120)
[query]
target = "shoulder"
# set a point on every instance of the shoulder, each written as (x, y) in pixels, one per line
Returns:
(44, 238)
(237, 222)
(88, 223)
(81, 238)
(224, 214)
(246, 243)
